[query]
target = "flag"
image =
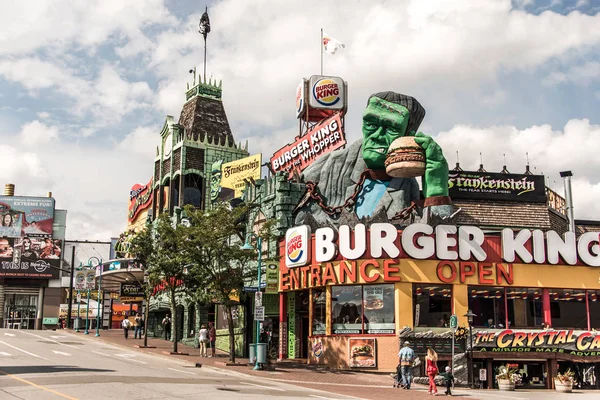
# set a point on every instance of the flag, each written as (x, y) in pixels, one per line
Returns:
(204, 26)
(331, 45)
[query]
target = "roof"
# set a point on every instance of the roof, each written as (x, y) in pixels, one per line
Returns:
(203, 119)
(510, 214)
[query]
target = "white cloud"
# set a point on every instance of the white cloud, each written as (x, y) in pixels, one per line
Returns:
(582, 75)
(550, 151)
(142, 140)
(43, 115)
(35, 134)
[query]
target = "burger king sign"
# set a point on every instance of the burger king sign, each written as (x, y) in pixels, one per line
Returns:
(327, 93)
(297, 241)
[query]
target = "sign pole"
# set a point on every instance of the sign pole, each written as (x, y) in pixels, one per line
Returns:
(99, 292)
(87, 314)
(453, 326)
(78, 305)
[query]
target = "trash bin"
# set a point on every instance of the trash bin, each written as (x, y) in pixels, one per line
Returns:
(252, 353)
(261, 353)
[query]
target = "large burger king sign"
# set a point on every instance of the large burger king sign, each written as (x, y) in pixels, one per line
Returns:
(327, 93)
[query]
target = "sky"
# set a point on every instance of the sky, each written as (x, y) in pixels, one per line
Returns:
(85, 87)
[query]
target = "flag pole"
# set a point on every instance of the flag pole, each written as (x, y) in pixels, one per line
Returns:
(321, 51)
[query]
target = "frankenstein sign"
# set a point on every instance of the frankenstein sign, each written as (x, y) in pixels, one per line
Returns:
(495, 186)
(577, 343)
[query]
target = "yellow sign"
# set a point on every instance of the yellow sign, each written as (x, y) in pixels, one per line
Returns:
(131, 299)
(233, 173)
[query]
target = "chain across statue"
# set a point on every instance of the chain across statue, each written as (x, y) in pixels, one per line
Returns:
(352, 186)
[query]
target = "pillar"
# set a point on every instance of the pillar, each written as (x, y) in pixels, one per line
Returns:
(460, 303)
(490, 373)
(2, 304)
(282, 326)
(40, 310)
(552, 366)
(546, 307)
(328, 310)
(404, 305)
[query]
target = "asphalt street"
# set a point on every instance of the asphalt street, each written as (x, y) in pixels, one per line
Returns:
(39, 365)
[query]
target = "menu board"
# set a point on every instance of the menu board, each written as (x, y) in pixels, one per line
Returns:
(440, 345)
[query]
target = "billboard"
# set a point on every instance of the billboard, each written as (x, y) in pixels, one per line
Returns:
(471, 185)
(234, 173)
(322, 139)
(31, 216)
(301, 99)
(327, 92)
(30, 257)
(140, 199)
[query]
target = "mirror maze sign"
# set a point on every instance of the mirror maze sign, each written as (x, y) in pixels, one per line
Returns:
(576, 343)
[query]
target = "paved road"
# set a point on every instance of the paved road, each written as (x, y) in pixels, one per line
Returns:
(39, 365)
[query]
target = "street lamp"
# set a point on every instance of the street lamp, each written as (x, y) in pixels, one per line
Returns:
(98, 266)
(470, 315)
(249, 247)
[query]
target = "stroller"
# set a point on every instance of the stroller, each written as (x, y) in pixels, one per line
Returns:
(397, 377)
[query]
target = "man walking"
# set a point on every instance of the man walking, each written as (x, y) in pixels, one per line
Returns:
(406, 357)
(167, 324)
(126, 324)
(137, 324)
(212, 338)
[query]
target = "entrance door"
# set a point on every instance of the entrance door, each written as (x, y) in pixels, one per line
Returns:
(20, 311)
(304, 341)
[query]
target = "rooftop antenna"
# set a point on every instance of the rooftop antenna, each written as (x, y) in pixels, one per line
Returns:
(204, 29)
(504, 170)
(527, 171)
(481, 169)
(457, 168)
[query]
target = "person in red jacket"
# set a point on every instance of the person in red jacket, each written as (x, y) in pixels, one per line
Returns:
(432, 370)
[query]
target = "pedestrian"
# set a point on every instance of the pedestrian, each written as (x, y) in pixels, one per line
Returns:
(167, 324)
(60, 322)
(126, 324)
(212, 337)
(448, 379)
(137, 326)
(203, 339)
(142, 326)
(406, 358)
(431, 370)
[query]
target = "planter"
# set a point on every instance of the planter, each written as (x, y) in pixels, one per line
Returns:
(506, 385)
(563, 387)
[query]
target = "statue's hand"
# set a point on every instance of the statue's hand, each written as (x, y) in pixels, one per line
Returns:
(435, 180)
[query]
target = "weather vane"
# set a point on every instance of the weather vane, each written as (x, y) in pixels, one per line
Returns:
(204, 29)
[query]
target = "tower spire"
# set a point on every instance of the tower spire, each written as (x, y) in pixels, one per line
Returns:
(204, 29)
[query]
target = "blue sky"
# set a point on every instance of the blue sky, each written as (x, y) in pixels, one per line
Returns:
(84, 89)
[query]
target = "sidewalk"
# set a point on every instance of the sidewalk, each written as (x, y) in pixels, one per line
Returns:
(371, 385)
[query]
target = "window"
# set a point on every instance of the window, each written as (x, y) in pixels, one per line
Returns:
(363, 309)
(432, 305)
(594, 306)
(524, 308)
(319, 303)
(488, 303)
(567, 308)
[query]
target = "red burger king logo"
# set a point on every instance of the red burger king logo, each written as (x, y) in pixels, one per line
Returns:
(297, 246)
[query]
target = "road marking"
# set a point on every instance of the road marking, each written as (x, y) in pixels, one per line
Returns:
(23, 351)
(38, 386)
(321, 397)
(45, 338)
(185, 372)
(4, 354)
(9, 334)
(264, 387)
(495, 395)
(58, 337)
(60, 352)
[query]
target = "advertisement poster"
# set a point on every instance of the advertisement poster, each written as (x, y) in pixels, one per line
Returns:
(234, 174)
(79, 280)
(26, 216)
(317, 348)
(29, 257)
(496, 186)
(322, 139)
(272, 278)
(361, 353)
(140, 199)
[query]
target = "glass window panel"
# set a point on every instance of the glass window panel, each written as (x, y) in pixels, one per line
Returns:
(319, 303)
(432, 305)
(567, 308)
(594, 304)
(378, 303)
(488, 303)
(346, 309)
(524, 308)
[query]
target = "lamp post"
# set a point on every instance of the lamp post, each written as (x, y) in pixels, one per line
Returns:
(78, 305)
(99, 294)
(248, 246)
(87, 314)
(470, 315)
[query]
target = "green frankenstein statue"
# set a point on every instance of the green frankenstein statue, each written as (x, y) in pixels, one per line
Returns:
(350, 186)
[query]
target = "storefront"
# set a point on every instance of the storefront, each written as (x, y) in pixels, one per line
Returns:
(368, 287)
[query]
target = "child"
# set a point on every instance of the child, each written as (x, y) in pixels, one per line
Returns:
(448, 378)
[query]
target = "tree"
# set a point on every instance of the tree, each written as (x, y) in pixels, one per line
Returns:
(159, 249)
(219, 267)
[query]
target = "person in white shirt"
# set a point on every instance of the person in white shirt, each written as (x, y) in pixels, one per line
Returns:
(203, 339)
(126, 324)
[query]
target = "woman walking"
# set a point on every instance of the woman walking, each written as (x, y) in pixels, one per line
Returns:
(432, 370)
(203, 339)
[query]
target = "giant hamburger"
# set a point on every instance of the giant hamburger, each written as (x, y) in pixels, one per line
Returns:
(405, 158)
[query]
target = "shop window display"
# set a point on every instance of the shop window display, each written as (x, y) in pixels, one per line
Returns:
(360, 309)
(594, 305)
(568, 309)
(319, 304)
(488, 303)
(524, 308)
(432, 305)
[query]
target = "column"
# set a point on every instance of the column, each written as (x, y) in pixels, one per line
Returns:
(552, 366)
(2, 304)
(490, 373)
(460, 303)
(282, 326)
(546, 307)
(404, 305)
(40, 310)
